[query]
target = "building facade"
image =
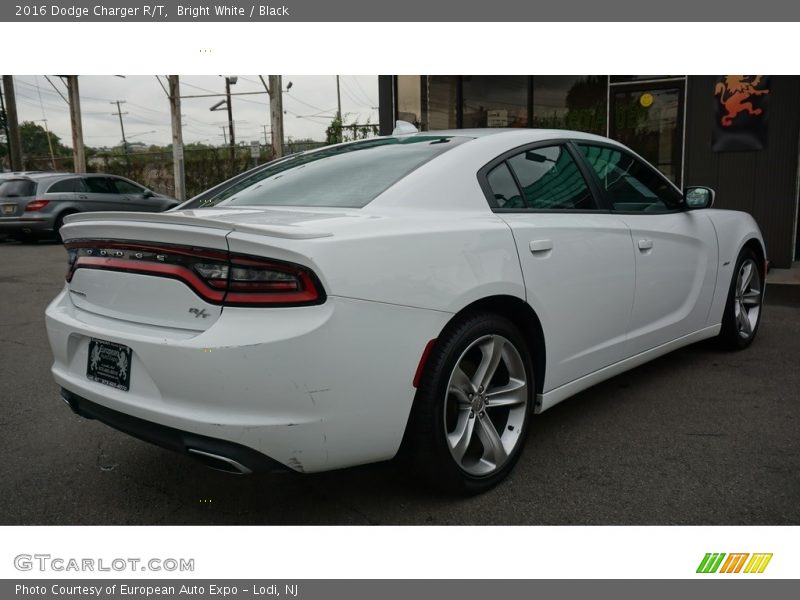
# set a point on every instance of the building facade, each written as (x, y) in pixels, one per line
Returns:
(737, 134)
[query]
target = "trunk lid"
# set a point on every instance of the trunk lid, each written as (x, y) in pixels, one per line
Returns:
(152, 268)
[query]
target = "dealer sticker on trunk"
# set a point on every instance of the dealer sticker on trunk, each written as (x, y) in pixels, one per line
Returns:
(109, 364)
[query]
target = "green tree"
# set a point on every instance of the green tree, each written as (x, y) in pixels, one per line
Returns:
(4, 144)
(333, 134)
(34, 141)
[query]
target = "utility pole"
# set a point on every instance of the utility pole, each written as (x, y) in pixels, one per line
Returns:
(275, 91)
(224, 135)
(178, 160)
(14, 140)
(339, 109)
(119, 113)
(78, 150)
(49, 144)
(5, 124)
(228, 81)
(266, 141)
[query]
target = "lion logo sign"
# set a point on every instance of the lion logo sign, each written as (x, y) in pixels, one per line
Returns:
(734, 91)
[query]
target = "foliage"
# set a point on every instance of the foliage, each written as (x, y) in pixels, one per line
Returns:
(204, 166)
(337, 131)
(333, 134)
(3, 146)
(35, 144)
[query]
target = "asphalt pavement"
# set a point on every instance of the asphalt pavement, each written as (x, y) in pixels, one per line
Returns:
(699, 437)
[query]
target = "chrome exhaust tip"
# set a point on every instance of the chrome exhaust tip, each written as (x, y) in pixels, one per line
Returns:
(219, 463)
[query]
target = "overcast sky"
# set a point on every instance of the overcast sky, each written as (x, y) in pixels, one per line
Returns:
(309, 107)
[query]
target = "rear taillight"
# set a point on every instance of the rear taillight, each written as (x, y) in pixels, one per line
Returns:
(253, 280)
(36, 205)
(215, 276)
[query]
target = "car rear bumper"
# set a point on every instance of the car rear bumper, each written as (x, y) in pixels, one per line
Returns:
(218, 454)
(11, 225)
(313, 388)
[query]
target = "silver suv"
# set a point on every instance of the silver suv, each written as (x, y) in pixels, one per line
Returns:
(34, 205)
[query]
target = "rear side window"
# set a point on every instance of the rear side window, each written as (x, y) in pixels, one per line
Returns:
(504, 189)
(550, 179)
(16, 188)
(74, 184)
(100, 185)
(341, 176)
(630, 185)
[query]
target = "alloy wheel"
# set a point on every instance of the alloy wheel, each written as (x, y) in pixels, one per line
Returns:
(486, 405)
(747, 298)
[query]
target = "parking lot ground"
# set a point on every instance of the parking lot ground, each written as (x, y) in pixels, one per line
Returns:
(696, 437)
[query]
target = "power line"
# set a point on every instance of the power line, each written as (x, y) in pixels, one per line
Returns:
(162, 86)
(83, 97)
(368, 97)
(56, 89)
(349, 94)
(296, 99)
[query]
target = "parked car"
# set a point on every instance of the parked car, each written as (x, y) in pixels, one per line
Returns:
(426, 293)
(34, 205)
(11, 174)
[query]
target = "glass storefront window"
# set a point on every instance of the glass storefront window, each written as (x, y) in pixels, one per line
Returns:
(649, 120)
(575, 102)
(442, 102)
(495, 101)
(409, 99)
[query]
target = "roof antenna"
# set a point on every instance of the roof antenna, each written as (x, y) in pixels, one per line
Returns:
(404, 128)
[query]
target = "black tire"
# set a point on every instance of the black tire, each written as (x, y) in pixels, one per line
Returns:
(59, 223)
(735, 333)
(428, 444)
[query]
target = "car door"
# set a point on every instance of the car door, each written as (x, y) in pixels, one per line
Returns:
(132, 195)
(676, 250)
(576, 259)
(100, 194)
(65, 189)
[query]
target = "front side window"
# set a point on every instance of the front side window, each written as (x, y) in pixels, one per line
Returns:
(126, 187)
(630, 185)
(551, 180)
(348, 176)
(100, 185)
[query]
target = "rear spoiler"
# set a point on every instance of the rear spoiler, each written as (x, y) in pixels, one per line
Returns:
(279, 231)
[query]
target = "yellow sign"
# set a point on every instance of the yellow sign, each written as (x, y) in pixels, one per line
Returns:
(646, 100)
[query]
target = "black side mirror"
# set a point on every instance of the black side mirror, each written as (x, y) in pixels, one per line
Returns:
(147, 194)
(698, 197)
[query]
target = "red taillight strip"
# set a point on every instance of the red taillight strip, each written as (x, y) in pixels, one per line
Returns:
(171, 271)
(35, 205)
(226, 292)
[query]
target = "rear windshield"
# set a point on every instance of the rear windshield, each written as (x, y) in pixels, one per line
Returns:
(341, 176)
(14, 188)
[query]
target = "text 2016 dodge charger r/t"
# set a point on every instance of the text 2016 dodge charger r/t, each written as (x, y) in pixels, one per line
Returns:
(430, 291)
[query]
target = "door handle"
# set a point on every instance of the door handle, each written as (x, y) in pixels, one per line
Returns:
(645, 244)
(83, 197)
(541, 246)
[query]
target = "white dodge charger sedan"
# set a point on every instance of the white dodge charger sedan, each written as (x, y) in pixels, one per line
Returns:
(424, 294)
